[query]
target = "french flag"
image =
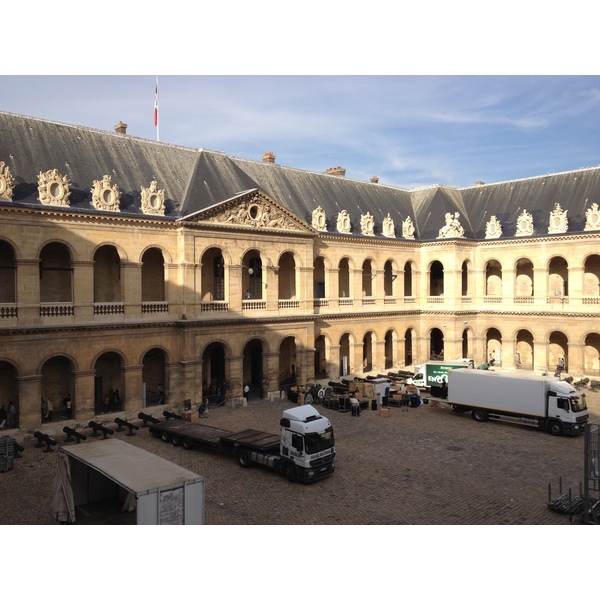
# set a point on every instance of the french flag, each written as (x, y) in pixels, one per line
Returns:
(156, 105)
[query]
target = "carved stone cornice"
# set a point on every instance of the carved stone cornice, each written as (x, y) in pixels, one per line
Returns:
(106, 195)
(7, 183)
(54, 189)
(153, 200)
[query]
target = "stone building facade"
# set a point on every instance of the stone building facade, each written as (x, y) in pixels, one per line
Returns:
(128, 264)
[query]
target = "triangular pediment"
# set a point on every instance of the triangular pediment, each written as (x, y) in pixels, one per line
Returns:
(251, 209)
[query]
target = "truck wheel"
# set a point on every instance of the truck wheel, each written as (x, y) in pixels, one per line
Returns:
(166, 437)
(176, 440)
(187, 443)
(243, 458)
(290, 472)
(555, 428)
(480, 415)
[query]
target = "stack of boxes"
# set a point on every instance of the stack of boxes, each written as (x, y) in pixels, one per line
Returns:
(7, 453)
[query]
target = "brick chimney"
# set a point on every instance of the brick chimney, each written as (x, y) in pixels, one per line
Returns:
(374, 179)
(269, 157)
(337, 171)
(121, 128)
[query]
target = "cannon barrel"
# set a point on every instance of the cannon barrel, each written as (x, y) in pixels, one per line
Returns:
(71, 433)
(171, 415)
(98, 427)
(44, 439)
(122, 423)
(147, 419)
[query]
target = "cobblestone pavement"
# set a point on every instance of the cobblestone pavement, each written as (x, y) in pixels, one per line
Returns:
(426, 465)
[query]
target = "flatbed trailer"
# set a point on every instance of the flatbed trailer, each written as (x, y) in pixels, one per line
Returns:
(304, 451)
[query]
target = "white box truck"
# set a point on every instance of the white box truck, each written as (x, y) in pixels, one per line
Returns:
(111, 482)
(544, 402)
(433, 373)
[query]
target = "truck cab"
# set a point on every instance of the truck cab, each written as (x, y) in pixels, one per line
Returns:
(307, 444)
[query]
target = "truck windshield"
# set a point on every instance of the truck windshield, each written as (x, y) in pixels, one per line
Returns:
(578, 404)
(317, 442)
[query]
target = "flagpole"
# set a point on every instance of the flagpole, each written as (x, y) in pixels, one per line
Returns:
(156, 119)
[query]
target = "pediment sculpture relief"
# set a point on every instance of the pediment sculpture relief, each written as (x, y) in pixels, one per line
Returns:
(452, 228)
(388, 227)
(367, 224)
(319, 219)
(54, 189)
(558, 220)
(254, 212)
(106, 195)
(493, 228)
(7, 183)
(408, 229)
(153, 200)
(343, 222)
(592, 218)
(524, 224)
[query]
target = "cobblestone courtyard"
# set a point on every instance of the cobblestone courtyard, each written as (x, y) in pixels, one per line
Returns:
(426, 465)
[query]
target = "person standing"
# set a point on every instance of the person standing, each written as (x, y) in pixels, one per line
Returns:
(49, 410)
(518, 359)
(160, 395)
(246, 391)
(11, 420)
(68, 407)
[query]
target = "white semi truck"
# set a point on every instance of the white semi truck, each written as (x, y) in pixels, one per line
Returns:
(303, 451)
(544, 402)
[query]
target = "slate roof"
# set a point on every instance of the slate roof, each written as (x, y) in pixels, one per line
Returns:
(196, 179)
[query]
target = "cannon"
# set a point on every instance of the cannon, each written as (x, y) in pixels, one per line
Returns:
(595, 385)
(569, 379)
(71, 433)
(171, 415)
(17, 449)
(582, 383)
(44, 439)
(122, 423)
(99, 428)
(147, 419)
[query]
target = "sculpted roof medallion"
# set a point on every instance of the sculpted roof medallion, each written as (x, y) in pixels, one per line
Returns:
(367, 224)
(153, 200)
(408, 229)
(343, 222)
(452, 228)
(7, 183)
(592, 218)
(319, 219)
(493, 228)
(54, 189)
(106, 195)
(524, 224)
(388, 227)
(558, 222)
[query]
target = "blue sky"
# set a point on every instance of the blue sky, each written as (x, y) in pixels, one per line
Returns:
(410, 131)
(443, 93)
